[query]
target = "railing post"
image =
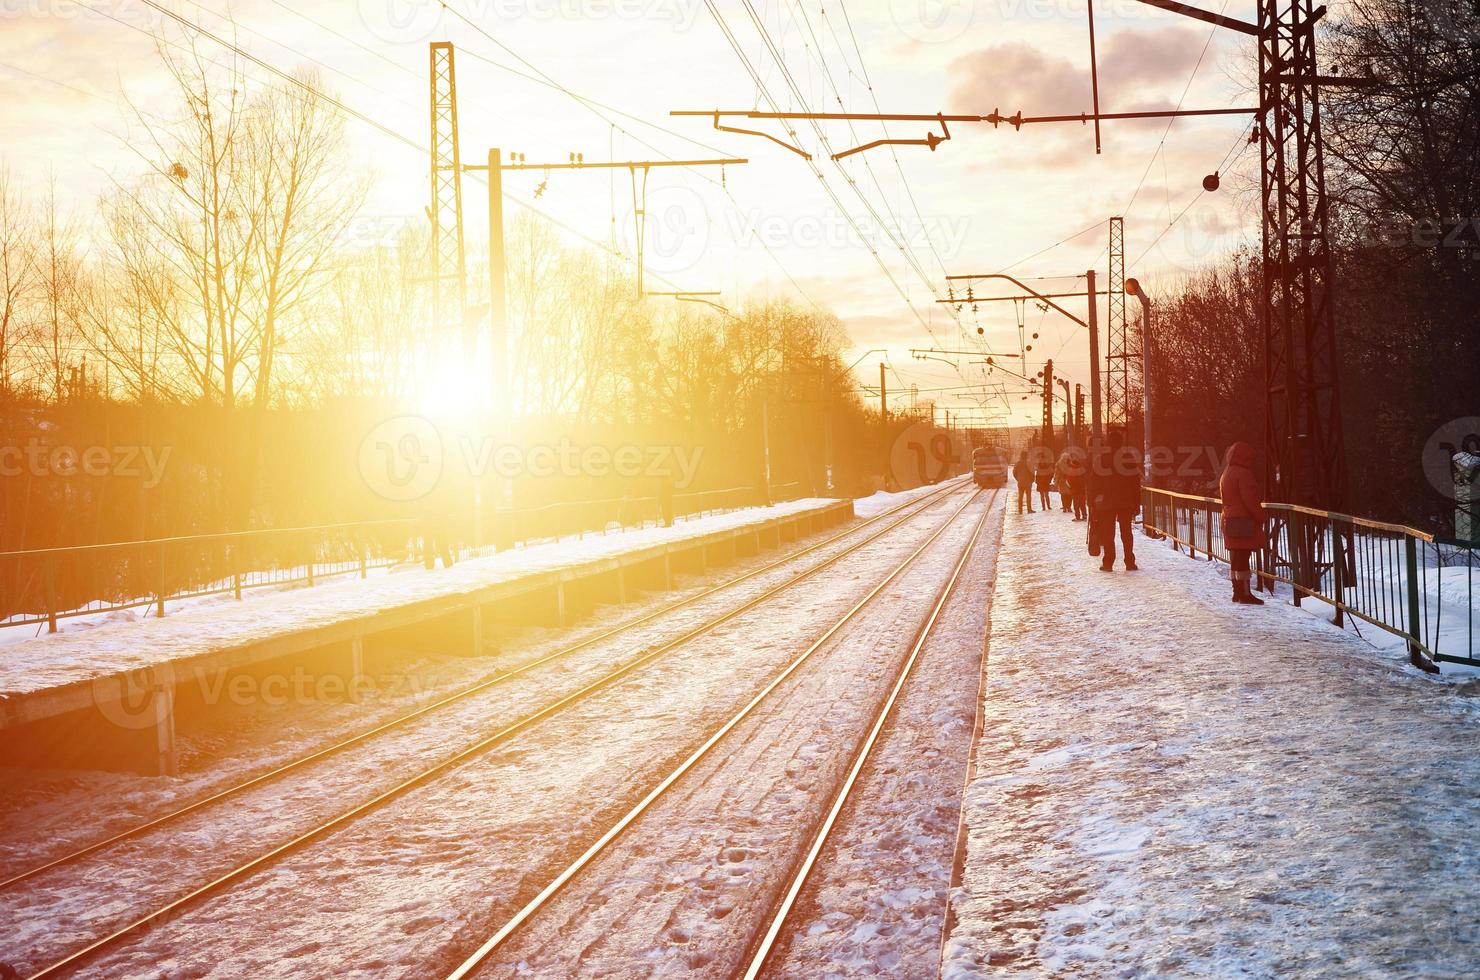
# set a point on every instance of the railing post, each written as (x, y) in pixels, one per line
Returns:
(236, 574)
(1208, 517)
(1172, 528)
(1296, 534)
(51, 594)
(1338, 575)
(160, 587)
(1410, 561)
(360, 550)
(311, 551)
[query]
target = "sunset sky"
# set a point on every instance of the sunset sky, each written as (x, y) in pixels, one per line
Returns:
(985, 201)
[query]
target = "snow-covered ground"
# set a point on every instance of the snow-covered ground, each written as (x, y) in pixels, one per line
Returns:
(399, 892)
(882, 500)
(1171, 785)
(90, 647)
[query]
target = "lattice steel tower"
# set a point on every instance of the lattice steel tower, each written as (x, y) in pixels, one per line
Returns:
(1048, 403)
(1117, 357)
(1303, 437)
(449, 267)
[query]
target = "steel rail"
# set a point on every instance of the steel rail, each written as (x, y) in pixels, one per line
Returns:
(860, 759)
(151, 919)
(479, 687)
(561, 880)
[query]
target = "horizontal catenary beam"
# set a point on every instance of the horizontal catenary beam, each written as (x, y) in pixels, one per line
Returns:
(994, 118)
(611, 164)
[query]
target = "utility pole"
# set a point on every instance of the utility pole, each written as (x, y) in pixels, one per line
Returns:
(1095, 428)
(1079, 413)
(883, 395)
(1069, 436)
(1117, 372)
(448, 256)
(1133, 286)
(498, 283)
(765, 445)
(1048, 403)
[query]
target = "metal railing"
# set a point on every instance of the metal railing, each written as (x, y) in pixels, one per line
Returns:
(47, 584)
(1406, 582)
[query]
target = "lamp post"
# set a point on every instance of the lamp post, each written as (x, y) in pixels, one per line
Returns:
(1133, 286)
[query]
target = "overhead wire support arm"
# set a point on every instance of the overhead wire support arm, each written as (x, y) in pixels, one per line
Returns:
(756, 132)
(967, 353)
(611, 164)
(517, 162)
(1033, 294)
(1206, 16)
(931, 140)
(1014, 299)
(994, 118)
(695, 296)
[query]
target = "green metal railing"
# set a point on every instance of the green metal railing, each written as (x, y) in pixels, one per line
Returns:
(1414, 585)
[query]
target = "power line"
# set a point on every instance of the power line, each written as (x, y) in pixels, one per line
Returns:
(597, 108)
(786, 74)
(1241, 142)
(765, 91)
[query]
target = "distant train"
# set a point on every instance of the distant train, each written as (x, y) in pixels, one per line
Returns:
(988, 467)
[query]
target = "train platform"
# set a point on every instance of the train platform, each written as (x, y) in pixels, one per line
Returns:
(1168, 784)
(119, 677)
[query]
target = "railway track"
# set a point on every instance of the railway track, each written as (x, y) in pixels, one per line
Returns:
(764, 940)
(890, 519)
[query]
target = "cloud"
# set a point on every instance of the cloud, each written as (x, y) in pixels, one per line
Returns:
(1010, 76)
(1136, 66)
(1148, 59)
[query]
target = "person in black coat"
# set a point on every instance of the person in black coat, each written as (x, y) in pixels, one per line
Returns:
(1043, 475)
(1115, 496)
(1022, 474)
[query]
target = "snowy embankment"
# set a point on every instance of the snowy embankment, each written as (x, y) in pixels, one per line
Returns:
(1169, 784)
(80, 653)
(882, 500)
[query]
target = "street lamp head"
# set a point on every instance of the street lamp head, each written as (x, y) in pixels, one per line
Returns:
(1133, 287)
(1210, 182)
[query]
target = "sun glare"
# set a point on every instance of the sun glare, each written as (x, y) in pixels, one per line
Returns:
(450, 387)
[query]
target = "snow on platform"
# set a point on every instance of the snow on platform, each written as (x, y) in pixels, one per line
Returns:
(1171, 785)
(71, 660)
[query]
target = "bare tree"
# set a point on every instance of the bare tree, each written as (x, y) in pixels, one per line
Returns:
(58, 276)
(18, 276)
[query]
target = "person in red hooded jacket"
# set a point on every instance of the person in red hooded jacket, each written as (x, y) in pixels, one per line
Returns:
(1243, 517)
